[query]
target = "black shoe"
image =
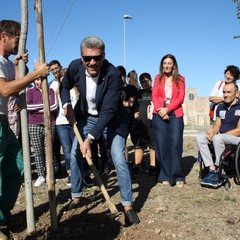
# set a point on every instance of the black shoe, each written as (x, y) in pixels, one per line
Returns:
(131, 218)
(135, 171)
(69, 180)
(151, 171)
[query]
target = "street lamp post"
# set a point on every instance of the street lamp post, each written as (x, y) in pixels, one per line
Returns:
(124, 37)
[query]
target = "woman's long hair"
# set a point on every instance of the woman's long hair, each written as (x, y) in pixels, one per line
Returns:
(175, 73)
(133, 79)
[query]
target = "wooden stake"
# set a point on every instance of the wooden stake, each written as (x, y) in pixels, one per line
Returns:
(47, 122)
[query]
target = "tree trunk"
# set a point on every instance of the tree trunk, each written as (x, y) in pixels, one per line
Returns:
(24, 122)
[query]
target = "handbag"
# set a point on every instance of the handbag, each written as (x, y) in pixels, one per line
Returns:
(150, 109)
(211, 112)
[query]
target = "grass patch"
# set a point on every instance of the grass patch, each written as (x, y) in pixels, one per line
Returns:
(228, 199)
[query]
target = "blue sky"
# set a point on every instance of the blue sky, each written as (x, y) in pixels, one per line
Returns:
(199, 34)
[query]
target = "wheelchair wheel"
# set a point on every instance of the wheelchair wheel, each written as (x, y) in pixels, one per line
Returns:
(237, 163)
(236, 180)
(228, 185)
(202, 170)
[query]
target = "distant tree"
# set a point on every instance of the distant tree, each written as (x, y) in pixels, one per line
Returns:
(237, 2)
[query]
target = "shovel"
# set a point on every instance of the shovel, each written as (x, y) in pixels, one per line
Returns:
(111, 205)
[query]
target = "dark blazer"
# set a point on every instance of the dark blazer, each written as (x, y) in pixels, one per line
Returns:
(108, 97)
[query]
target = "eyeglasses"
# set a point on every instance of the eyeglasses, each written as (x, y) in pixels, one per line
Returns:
(89, 58)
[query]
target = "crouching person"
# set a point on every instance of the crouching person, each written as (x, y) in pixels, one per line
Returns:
(99, 107)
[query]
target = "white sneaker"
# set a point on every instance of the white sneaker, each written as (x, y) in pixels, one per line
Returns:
(39, 182)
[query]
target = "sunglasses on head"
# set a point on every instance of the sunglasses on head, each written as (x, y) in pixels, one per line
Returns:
(89, 58)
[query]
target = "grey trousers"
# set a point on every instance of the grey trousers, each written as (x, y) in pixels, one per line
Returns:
(219, 142)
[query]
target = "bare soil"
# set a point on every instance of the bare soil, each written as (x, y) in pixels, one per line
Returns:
(166, 212)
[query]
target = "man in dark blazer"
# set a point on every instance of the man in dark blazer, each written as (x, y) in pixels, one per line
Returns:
(98, 110)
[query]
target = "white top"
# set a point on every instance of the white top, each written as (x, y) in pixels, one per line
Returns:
(54, 85)
(217, 90)
(91, 88)
(61, 119)
(168, 91)
(6, 71)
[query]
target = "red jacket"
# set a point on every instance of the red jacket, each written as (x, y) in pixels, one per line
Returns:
(158, 96)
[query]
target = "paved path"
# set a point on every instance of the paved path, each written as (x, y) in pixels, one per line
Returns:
(192, 131)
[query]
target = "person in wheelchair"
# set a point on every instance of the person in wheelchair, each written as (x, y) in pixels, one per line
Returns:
(225, 131)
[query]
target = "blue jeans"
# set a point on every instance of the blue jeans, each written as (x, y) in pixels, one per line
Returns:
(66, 136)
(168, 137)
(116, 144)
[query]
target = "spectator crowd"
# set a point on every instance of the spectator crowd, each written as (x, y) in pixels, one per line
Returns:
(108, 106)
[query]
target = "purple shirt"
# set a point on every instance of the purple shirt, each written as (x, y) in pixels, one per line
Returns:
(35, 106)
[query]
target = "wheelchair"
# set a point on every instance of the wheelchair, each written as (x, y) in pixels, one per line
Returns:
(229, 166)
